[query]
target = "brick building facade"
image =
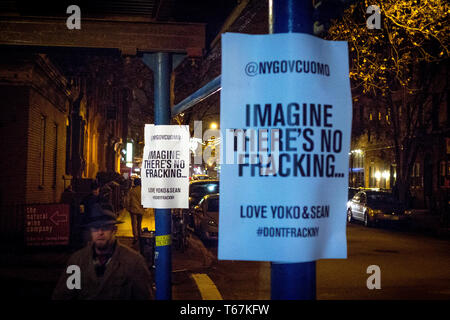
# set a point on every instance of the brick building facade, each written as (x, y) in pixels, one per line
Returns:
(34, 115)
(58, 128)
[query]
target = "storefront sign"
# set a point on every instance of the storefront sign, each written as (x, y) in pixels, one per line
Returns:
(47, 224)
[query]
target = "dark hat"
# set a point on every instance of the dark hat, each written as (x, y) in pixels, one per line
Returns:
(101, 215)
(137, 182)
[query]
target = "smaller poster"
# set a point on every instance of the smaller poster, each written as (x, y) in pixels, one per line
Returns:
(147, 133)
(165, 167)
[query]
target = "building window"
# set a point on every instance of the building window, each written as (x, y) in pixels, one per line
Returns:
(383, 179)
(55, 154)
(393, 176)
(43, 125)
(68, 146)
(444, 166)
(372, 178)
(357, 168)
(388, 116)
(378, 177)
(415, 175)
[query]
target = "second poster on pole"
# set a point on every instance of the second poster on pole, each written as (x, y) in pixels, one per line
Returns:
(165, 167)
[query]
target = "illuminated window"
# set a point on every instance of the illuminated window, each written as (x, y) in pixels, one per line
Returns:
(393, 175)
(372, 178)
(68, 146)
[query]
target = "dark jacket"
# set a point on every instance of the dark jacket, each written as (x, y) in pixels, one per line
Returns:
(126, 277)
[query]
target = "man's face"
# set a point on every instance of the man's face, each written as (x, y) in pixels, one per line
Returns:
(96, 192)
(104, 236)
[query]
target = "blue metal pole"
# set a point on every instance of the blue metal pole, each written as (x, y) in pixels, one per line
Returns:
(204, 92)
(162, 70)
(291, 16)
(163, 255)
(292, 281)
(160, 63)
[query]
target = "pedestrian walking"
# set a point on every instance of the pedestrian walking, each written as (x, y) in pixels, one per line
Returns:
(86, 206)
(136, 209)
(92, 198)
(108, 270)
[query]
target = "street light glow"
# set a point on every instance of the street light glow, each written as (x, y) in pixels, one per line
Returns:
(129, 152)
(378, 175)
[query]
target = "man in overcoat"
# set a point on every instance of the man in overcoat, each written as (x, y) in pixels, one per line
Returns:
(107, 270)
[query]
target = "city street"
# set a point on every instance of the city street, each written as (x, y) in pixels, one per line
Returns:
(139, 137)
(412, 266)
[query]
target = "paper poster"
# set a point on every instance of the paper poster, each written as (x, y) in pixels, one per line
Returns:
(286, 115)
(165, 167)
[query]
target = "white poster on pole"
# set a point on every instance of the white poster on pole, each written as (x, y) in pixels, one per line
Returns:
(147, 128)
(165, 167)
(286, 115)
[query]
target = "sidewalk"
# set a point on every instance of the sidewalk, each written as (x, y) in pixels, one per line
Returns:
(196, 255)
(124, 230)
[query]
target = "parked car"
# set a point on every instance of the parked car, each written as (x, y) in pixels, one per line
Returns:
(352, 191)
(206, 217)
(197, 190)
(372, 207)
(200, 177)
